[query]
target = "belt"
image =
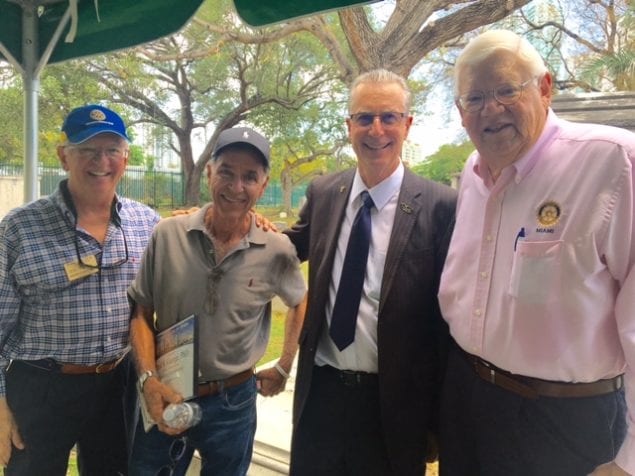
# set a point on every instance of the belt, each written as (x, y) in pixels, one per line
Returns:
(73, 369)
(350, 378)
(215, 387)
(530, 387)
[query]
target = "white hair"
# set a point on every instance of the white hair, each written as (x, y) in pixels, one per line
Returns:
(493, 41)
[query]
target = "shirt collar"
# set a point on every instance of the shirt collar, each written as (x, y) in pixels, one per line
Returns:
(383, 191)
(57, 197)
(196, 222)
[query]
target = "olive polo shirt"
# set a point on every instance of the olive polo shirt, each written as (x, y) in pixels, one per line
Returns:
(179, 276)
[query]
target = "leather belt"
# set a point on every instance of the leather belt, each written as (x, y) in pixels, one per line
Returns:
(350, 378)
(530, 387)
(73, 369)
(215, 387)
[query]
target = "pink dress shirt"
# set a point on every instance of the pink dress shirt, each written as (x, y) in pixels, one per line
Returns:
(539, 276)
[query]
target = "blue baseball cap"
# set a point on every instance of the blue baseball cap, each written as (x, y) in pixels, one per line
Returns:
(85, 122)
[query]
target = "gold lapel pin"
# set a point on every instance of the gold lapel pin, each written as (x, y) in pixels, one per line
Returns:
(342, 189)
(405, 207)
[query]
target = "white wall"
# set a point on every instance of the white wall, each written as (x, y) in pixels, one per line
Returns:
(11, 193)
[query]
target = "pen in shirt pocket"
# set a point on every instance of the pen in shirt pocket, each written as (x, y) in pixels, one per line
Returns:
(519, 236)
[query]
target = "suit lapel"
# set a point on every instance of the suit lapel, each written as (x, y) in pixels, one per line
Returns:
(405, 218)
(340, 193)
(329, 218)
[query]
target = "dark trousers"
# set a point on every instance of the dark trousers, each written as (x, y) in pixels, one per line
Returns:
(55, 411)
(340, 431)
(489, 431)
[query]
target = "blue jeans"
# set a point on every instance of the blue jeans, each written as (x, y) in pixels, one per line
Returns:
(224, 438)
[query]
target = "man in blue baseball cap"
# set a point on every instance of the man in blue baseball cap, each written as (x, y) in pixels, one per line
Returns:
(66, 261)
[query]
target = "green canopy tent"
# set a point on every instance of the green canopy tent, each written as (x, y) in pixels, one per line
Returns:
(34, 33)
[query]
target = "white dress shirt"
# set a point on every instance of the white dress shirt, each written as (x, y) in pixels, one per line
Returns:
(361, 355)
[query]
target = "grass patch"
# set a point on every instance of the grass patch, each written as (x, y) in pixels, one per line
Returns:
(72, 466)
(274, 348)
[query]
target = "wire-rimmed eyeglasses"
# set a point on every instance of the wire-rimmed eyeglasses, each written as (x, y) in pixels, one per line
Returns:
(176, 452)
(99, 265)
(506, 94)
(94, 153)
(387, 119)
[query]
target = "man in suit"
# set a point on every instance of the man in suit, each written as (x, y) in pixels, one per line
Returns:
(366, 407)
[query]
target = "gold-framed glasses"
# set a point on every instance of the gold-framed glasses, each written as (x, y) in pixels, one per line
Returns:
(387, 119)
(506, 94)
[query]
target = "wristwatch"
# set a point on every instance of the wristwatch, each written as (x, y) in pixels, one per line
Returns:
(145, 376)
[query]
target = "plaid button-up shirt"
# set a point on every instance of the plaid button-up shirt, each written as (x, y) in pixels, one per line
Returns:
(43, 313)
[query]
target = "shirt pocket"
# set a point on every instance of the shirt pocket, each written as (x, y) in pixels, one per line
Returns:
(535, 276)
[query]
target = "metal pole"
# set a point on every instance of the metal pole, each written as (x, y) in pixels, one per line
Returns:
(31, 90)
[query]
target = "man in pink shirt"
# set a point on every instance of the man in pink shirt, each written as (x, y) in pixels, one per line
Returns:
(538, 288)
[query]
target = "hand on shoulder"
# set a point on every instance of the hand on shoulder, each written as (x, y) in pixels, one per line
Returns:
(189, 211)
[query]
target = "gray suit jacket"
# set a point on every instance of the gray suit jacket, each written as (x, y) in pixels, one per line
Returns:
(411, 333)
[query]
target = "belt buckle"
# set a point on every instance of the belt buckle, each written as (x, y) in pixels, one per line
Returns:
(619, 382)
(102, 368)
(350, 378)
(492, 372)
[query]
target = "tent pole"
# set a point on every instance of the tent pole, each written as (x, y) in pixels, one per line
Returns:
(31, 90)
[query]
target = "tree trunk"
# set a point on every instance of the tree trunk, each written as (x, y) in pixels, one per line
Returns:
(287, 189)
(410, 34)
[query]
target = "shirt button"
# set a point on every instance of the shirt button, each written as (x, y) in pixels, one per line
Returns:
(477, 312)
(489, 238)
(483, 274)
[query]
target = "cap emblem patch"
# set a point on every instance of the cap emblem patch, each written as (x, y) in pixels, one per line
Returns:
(97, 115)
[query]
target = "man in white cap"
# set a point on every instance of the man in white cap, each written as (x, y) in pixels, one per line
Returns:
(66, 261)
(217, 265)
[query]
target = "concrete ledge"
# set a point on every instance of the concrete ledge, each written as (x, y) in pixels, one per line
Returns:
(268, 460)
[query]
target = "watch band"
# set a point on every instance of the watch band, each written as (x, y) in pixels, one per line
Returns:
(144, 377)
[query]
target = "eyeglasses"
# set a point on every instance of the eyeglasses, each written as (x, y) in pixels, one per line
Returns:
(176, 452)
(506, 94)
(93, 153)
(99, 264)
(387, 119)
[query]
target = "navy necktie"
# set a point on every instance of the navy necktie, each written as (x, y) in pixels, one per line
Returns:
(349, 292)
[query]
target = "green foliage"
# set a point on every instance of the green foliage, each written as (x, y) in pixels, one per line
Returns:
(138, 157)
(446, 163)
(620, 66)
(11, 119)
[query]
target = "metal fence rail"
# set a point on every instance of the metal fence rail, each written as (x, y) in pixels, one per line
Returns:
(158, 189)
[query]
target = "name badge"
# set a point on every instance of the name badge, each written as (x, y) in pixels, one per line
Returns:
(74, 270)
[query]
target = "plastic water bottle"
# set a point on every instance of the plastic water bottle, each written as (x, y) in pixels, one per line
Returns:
(182, 415)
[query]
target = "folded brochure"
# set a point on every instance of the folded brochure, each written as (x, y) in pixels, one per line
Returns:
(176, 351)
